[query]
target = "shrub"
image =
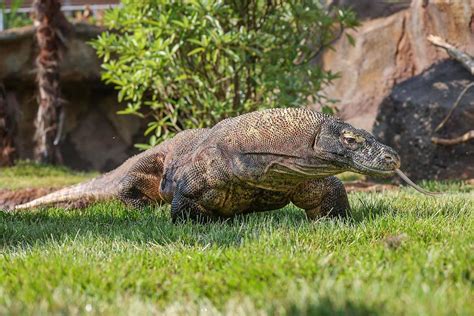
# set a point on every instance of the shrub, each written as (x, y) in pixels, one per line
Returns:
(189, 64)
(13, 18)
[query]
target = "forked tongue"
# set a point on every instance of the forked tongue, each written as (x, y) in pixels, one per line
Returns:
(413, 185)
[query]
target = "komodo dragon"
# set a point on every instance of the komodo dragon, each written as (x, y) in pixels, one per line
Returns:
(258, 161)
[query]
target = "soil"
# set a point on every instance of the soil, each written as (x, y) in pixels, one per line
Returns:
(368, 186)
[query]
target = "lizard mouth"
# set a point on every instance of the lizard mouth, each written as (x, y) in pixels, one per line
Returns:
(373, 171)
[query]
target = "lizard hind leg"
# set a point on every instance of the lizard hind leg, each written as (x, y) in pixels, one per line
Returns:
(133, 190)
(322, 197)
(140, 187)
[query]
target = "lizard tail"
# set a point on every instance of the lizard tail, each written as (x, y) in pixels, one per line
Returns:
(101, 188)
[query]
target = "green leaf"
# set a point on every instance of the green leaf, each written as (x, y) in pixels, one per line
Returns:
(351, 39)
(195, 51)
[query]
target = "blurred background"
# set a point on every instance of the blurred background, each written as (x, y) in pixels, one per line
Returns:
(89, 83)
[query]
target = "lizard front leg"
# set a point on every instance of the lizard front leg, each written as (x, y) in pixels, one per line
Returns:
(200, 190)
(322, 197)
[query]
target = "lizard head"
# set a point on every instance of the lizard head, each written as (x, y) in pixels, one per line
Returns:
(353, 149)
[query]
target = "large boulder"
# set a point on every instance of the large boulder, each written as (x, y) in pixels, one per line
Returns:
(391, 49)
(407, 118)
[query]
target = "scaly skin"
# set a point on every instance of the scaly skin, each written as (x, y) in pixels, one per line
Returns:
(258, 161)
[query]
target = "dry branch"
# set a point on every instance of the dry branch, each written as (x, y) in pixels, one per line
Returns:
(466, 60)
(453, 141)
(451, 110)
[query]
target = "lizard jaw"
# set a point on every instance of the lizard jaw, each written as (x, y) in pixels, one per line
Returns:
(372, 171)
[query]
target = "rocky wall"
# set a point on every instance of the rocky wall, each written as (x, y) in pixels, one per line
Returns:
(94, 136)
(389, 50)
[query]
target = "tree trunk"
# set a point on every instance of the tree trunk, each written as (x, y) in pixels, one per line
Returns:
(52, 29)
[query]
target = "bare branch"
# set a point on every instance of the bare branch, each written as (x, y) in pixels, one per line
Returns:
(466, 60)
(453, 141)
(451, 110)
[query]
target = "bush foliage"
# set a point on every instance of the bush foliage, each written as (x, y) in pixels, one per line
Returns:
(14, 18)
(189, 64)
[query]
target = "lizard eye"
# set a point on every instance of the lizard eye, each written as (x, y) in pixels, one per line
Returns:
(351, 140)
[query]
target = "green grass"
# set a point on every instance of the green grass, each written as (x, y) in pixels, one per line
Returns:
(351, 176)
(27, 174)
(401, 253)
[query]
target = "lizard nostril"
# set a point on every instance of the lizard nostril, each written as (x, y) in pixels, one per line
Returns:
(389, 158)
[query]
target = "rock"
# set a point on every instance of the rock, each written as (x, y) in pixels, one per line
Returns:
(94, 136)
(370, 9)
(408, 116)
(391, 49)
(18, 51)
(7, 129)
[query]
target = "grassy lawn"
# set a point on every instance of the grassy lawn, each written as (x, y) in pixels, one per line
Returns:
(29, 175)
(401, 253)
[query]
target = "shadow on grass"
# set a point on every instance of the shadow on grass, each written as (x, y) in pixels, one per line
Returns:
(113, 221)
(327, 307)
(369, 208)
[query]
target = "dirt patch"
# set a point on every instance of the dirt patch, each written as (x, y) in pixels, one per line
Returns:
(367, 186)
(10, 198)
